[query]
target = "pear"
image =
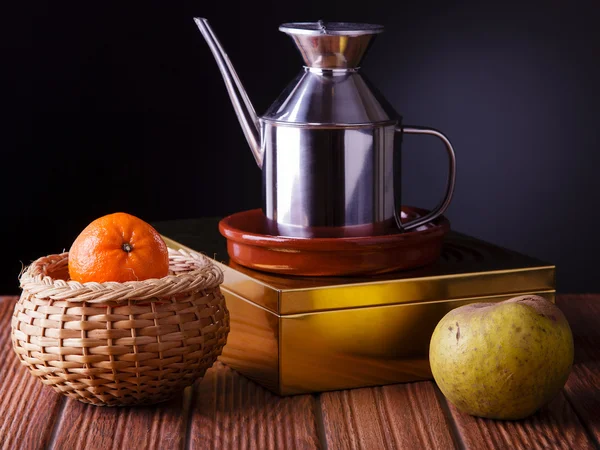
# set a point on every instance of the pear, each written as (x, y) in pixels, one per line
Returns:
(502, 360)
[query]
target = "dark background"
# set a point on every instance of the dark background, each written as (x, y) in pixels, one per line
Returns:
(120, 107)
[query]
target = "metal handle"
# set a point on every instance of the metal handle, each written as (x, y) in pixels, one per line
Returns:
(443, 205)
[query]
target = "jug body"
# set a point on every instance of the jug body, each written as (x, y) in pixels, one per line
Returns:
(328, 181)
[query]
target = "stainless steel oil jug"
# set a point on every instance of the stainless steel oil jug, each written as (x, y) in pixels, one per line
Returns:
(326, 145)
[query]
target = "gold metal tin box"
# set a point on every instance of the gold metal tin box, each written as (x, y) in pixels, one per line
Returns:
(309, 334)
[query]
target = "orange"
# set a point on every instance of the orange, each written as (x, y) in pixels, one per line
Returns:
(118, 247)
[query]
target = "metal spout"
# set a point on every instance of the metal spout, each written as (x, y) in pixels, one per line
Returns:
(241, 103)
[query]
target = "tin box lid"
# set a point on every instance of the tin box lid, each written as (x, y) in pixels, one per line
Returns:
(468, 268)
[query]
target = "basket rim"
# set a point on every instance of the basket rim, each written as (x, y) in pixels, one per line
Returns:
(190, 272)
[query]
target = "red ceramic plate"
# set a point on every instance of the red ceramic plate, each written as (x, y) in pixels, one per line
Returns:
(250, 244)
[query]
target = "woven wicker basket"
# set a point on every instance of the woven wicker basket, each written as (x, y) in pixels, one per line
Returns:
(138, 342)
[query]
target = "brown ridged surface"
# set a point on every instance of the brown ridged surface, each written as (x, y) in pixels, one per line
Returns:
(555, 426)
(583, 386)
(28, 409)
(146, 427)
(227, 411)
(231, 412)
(389, 417)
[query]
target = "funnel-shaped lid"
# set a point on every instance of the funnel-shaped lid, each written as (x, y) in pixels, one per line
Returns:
(332, 45)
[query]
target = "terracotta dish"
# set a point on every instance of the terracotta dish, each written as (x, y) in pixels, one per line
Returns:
(249, 244)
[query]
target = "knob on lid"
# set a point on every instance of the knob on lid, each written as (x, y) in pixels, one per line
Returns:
(332, 45)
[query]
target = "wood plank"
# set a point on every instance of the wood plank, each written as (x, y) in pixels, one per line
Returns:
(230, 411)
(583, 387)
(29, 409)
(555, 426)
(395, 416)
(161, 426)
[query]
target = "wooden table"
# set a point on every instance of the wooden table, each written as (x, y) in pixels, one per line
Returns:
(226, 410)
